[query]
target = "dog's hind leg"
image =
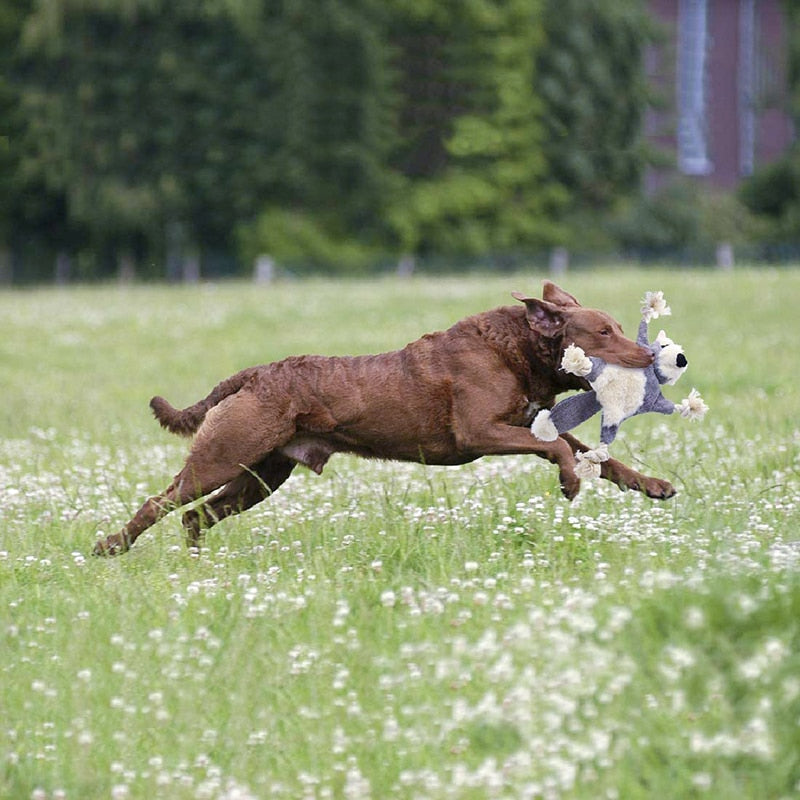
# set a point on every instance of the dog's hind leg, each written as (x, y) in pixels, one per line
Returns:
(187, 486)
(236, 434)
(250, 487)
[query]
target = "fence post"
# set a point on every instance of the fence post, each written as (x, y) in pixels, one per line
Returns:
(559, 260)
(725, 256)
(264, 271)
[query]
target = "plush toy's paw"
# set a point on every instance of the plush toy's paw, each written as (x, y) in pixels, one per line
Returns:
(587, 465)
(575, 361)
(543, 427)
(692, 407)
(654, 306)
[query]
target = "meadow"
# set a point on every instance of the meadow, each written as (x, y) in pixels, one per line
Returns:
(388, 630)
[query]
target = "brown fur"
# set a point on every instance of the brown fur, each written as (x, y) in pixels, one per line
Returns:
(447, 398)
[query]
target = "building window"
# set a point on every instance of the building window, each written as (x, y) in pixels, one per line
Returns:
(692, 60)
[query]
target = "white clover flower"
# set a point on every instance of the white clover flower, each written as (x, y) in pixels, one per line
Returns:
(654, 306)
(702, 781)
(692, 407)
(388, 599)
(694, 618)
(575, 361)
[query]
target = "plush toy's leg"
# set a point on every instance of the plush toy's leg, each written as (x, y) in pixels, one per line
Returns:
(608, 433)
(642, 337)
(663, 406)
(564, 416)
(573, 410)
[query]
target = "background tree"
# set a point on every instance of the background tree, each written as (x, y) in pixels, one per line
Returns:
(336, 127)
(594, 89)
(470, 152)
(151, 118)
(321, 131)
(24, 207)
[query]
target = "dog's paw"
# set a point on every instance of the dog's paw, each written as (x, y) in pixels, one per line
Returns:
(570, 483)
(113, 545)
(658, 489)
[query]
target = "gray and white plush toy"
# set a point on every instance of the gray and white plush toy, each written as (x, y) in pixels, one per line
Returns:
(619, 392)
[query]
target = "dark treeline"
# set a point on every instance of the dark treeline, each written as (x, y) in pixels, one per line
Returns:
(161, 137)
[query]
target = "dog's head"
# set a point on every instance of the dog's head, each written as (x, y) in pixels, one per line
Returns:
(671, 362)
(558, 315)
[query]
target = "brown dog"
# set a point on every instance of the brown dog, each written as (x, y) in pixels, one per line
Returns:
(447, 398)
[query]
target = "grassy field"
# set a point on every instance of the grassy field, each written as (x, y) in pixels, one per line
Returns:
(389, 630)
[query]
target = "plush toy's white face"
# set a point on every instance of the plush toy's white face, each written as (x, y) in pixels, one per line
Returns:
(671, 363)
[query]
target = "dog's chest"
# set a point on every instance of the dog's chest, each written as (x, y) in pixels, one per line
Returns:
(620, 391)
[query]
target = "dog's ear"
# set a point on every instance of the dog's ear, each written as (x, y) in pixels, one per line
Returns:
(543, 317)
(556, 295)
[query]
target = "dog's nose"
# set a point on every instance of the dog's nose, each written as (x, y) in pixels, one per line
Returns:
(681, 360)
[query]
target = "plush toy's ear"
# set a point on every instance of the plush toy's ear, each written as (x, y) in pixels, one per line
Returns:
(663, 340)
(543, 317)
(556, 295)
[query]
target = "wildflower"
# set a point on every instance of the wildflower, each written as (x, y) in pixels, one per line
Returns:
(702, 781)
(694, 618)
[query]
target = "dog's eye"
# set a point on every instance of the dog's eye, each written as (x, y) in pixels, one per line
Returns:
(605, 332)
(663, 346)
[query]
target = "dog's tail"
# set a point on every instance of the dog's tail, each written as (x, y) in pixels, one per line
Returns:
(186, 421)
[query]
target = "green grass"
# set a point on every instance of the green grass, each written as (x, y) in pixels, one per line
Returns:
(390, 630)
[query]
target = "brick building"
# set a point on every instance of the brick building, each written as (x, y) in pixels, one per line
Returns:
(721, 72)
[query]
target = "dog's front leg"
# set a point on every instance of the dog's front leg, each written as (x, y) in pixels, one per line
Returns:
(624, 476)
(500, 440)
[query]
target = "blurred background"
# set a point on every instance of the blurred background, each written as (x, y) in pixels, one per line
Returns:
(199, 139)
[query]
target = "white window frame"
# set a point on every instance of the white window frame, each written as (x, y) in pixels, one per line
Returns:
(693, 158)
(747, 86)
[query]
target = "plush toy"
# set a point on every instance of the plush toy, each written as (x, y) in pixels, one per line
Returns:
(619, 392)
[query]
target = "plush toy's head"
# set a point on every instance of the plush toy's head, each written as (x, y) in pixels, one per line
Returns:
(670, 361)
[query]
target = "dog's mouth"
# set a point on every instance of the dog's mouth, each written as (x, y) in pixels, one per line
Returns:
(643, 358)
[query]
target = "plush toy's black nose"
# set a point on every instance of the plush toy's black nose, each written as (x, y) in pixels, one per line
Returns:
(681, 360)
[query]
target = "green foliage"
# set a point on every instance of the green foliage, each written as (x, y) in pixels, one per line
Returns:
(476, 176)
(152, 113)
(594, 92)
(301, 242)
(401, 127)
(773, 194)
(683, 217)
